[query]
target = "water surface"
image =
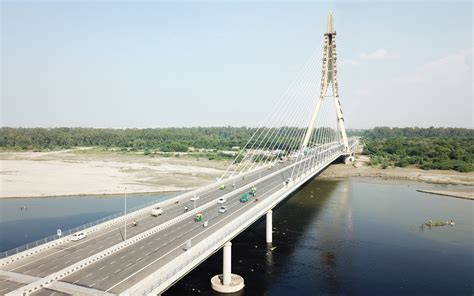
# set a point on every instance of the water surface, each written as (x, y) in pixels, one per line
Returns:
(352, 238)
(349, 237)
(24, 220)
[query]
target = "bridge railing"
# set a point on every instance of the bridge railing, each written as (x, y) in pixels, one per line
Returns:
(76, 229)
(168, 273)
(352, 142)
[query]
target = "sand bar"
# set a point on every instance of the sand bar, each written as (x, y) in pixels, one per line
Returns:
(88, 172)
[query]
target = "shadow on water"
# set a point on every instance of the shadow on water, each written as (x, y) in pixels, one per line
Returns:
(256, 261)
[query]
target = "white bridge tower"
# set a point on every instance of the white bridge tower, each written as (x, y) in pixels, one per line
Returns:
(328, 78)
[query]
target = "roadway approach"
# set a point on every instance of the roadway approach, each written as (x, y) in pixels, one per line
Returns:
(155, 241)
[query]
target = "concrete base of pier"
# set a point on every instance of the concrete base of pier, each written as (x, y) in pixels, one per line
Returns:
(236, 284)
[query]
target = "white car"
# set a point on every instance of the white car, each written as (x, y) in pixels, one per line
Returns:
(223, 209)
(221, 200)
(78, 236)
(195, 198)
(156, 211)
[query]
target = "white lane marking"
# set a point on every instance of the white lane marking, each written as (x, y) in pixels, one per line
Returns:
(76, 281)
(123, 256)
(93, 284)
(117, 271)
(143, 246)
(102, 268)
(174, 249)
(112, 262)
(115, 227)
(89, 274)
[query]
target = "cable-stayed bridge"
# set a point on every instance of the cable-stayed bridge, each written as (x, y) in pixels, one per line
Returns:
(302, 135)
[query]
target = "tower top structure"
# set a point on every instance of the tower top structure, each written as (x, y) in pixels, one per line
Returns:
(330, 30)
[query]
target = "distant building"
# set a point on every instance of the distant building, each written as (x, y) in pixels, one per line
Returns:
(231, 153)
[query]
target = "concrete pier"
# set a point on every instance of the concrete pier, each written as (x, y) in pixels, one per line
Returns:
(227, 263)
(269, 227)
(227, 282)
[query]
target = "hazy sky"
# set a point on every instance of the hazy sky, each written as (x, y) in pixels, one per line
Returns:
(152, 64)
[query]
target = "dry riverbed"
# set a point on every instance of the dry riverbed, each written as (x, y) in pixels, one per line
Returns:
(94, 172)
(90, 172)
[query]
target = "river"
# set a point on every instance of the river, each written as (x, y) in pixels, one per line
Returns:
(350, 237)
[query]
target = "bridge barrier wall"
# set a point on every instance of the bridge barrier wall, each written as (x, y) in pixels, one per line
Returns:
(83, 263)
(52, 241)
(164, 277)
(94, 258)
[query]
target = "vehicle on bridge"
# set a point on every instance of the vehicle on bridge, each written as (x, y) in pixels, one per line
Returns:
(78, 236)
(198, 218)
(223, 209)
(221, 200)
(253, 191)
(222, 187)
(244, 197)
(195, 198)
(156, 211)
(135, 223)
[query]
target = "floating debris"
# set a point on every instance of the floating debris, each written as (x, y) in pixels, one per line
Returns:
(431, 223)
(272, 248)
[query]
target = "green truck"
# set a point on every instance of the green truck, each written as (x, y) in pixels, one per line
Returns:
(244, 197)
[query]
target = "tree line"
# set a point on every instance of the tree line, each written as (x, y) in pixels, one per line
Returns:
(426, 148)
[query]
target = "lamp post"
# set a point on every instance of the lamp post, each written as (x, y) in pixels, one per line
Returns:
(125, 211)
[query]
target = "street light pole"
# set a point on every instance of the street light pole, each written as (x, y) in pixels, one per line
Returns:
(125, 211)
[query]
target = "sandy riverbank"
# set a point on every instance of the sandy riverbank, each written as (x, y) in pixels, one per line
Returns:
(94, 172)
(360, 168)
(90, 172)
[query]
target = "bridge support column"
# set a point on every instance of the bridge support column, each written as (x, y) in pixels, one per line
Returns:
(269, 227)
(227, 282)
(227, 264)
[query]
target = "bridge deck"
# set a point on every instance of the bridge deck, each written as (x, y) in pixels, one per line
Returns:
(129, 266)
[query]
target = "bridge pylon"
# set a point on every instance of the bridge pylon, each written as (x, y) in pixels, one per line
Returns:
(328, 78)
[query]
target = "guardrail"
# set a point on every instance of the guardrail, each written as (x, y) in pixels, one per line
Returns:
(172, 271)
(74, 230)
(32, 287)
(51, 241)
